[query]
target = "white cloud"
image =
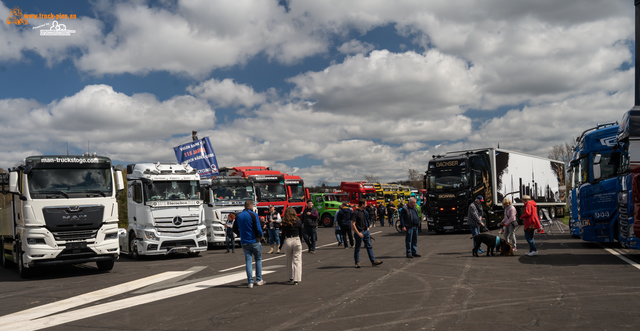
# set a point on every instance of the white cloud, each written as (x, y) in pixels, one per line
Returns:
(355, 46)
(227, 93)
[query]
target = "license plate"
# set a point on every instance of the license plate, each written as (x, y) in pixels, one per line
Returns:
(74, 245)
(180, 250)
(448, 227)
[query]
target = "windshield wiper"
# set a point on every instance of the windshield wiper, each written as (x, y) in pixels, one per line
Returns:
(53, 192)
(97, 191)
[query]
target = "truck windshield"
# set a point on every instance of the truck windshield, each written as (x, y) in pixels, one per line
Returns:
(172, 190)
(369, 196)
(389, 197)
(297, 193)
(65, 183)
(271, 191)
(227, 193)
(445, 178)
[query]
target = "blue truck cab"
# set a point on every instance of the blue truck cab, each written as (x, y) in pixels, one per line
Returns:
(596, 166)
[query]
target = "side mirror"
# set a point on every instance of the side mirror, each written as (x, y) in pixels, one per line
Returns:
(289, 192)
(597, 174)
(119, 181)
(122, 232)
(308, 196)
(13, 182)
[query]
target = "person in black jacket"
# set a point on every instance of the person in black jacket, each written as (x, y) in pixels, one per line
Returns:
(381, 211)
(410, 223)
(310, 223)
(344, 219)
(291, 239)
(360, 225)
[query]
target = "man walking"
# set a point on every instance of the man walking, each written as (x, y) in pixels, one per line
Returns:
(250, 234)
(410, 222)
(391, 209)
(344, 219)
(474, 217)
(359, 223)
(381, 212)
(310, 223)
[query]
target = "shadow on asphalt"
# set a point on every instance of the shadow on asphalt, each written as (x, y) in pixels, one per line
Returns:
(570, 259)
(10, 274)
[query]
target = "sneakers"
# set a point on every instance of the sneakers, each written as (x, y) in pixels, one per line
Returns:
(532, 253)
(417, 255)
(250, 285)
(312, 252)
(357, 265)
(296, 283)
(515, 249)
(409, 256)
(376, 263)
(260, 282)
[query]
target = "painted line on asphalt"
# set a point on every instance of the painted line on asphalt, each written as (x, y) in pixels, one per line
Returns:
(277, 257)
(70, 316)
(62, 305)
(622, 257)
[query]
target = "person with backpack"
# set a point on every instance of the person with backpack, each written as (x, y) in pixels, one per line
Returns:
(344, 219)
(251, 233)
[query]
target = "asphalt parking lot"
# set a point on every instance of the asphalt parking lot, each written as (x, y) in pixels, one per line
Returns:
(570, 285)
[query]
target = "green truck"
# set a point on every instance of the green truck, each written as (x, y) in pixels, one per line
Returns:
(327, 205)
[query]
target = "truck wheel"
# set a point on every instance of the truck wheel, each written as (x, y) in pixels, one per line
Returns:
(552, 212)
(22, 271)
(106, 265)
(327, 220)
(133, 247)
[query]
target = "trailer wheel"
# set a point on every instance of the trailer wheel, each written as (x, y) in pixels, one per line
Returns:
(22, 271)
(105, 265)
(552, 212)
(327, 220)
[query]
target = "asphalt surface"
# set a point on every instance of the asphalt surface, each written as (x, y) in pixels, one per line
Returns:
(570, 285)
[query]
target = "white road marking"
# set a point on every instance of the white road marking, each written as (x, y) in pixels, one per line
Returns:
(109, 307)
(622, 257)
(176, 281)
(279, 256)
(62, 305)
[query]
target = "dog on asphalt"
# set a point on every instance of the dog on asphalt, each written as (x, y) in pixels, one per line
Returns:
(492, 242)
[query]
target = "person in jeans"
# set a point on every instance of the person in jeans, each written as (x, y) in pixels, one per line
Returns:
(229, 239)
(344, 219)
(336, 229)
(310, 223)
(410, 222)
(509, 223)
(531, 223)
(391, 209)
(250, 234)
(291, 239)
(381, 211)
(360, 225)
(273, 227)
(474, 217)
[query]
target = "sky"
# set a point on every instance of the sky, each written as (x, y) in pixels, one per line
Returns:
(327, 90)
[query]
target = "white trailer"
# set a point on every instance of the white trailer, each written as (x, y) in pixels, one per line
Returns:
(164, 209)
(63, 211)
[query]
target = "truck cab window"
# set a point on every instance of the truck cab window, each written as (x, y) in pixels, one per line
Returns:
(137, 193)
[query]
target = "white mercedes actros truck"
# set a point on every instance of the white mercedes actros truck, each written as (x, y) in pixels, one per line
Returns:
(224, 195)
(164, 209)
(63, 210)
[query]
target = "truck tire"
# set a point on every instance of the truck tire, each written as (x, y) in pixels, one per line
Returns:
(327, 220)
(552, 212)
(133, 247)
(22, 271)
(106, 265)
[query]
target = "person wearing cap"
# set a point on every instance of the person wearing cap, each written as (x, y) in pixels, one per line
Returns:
(474, 217)
(531, 222)
(273, 226)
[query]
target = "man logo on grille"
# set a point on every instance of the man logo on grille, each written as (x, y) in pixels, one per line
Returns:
(177, 221)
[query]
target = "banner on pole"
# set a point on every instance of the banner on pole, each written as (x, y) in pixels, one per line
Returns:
(199, 155)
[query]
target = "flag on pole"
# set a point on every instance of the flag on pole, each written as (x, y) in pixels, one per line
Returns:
(199, 155)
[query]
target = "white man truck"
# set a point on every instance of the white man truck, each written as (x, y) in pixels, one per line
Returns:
(224, 195)
(63, 210)
(164, 211)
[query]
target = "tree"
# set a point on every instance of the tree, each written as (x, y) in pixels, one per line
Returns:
(322, 182)
(415, 179)
(561, 152)
(371, 178)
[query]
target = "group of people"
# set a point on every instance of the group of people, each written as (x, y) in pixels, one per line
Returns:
(529, 217)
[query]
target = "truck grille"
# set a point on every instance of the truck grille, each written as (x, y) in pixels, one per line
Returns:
(174, 226)
(75, 235)
(178, 243)
(624, 229)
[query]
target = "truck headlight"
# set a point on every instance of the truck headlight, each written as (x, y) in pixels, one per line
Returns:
(622, 197)
(35, 241)
(151, 235)
(203, 232)
(110, 236)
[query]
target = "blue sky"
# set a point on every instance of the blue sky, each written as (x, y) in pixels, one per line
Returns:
(329, 91)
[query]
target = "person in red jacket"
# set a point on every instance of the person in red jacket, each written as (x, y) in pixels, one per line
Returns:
(530, 222)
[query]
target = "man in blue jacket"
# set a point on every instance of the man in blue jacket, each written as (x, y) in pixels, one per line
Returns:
(410, 222)
(344, 220)
(250, 234)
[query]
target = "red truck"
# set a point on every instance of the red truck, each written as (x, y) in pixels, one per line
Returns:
(359, 190)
